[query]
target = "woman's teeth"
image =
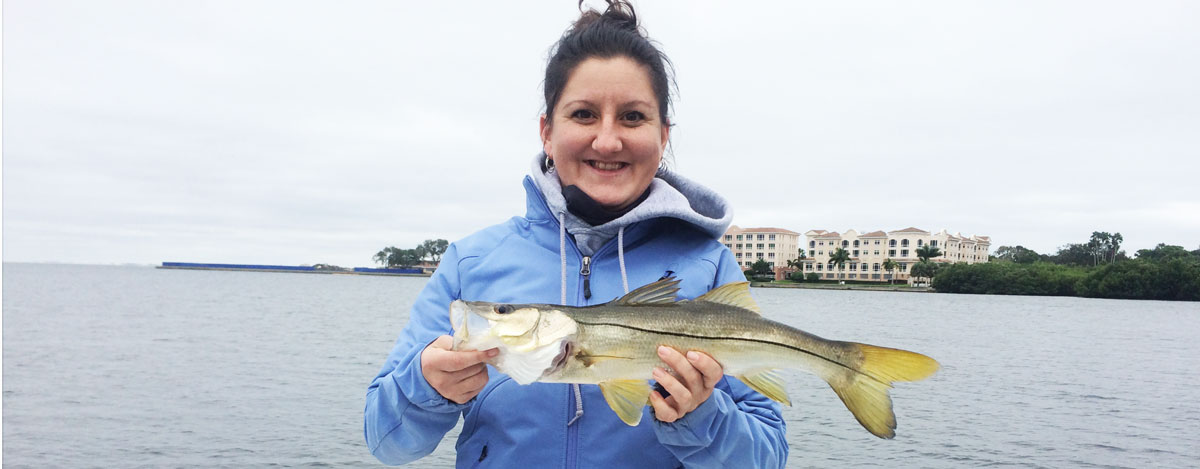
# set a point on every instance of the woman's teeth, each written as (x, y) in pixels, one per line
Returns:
(606, 166)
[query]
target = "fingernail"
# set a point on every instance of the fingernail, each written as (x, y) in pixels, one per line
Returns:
(693, 356)
(658, 372)
(663, 350)
(493, 352)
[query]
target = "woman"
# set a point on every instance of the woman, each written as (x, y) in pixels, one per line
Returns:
(602, 216)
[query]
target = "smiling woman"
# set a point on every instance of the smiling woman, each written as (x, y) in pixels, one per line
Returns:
(602, 214)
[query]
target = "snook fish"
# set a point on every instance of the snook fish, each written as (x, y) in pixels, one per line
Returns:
(614, 345)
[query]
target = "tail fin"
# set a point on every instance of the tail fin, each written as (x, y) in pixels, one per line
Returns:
(866, 393)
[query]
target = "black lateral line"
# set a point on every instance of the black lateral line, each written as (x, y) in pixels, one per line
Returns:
(692, 336)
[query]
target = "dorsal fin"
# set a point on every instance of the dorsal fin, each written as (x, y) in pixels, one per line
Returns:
(657, 293)
(732, 294)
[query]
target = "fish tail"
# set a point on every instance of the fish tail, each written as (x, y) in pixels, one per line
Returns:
(865, 393)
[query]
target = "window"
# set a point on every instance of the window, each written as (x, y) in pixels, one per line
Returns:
(739, 245)
(760, 237)
(877, 242)
(771, 265)
(771, 237)
(739, 237)
(904, 267)
(933, 243)
(876, 252)
(853, 275)
(904, 243)
(808, 267)
(856, 243)
(728, 246)
(853, 267)
(821, 243)
(845, 244)
(821, 253)
(855, 253)
(760, 245)
(820, 267)
(920, 242)
(771, 246)
(892, 242)
(770, 255)
(748, 263)
(812, 244)
(891, 253)
(903, 253)
(728, 237)
(875, 267)
(811, 253)
(739, 255)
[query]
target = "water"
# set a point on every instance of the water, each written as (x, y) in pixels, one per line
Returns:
(132, 366)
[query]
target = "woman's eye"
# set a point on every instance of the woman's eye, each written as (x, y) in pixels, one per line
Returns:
(633, 116)
(582, 114)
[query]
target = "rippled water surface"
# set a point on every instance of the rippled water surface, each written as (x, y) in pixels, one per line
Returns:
(133, 366)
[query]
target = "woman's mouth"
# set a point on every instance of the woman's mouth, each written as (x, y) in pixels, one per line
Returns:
(606, 165)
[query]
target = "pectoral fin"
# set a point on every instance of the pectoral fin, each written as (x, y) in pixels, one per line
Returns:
(626, 397)
(767, 383)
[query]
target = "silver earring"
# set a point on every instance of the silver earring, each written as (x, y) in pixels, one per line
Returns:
(549, 163)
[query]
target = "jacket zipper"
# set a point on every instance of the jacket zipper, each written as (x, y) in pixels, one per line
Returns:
(585, 270)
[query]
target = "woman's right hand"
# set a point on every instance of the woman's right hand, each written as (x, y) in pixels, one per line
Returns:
(456, 375)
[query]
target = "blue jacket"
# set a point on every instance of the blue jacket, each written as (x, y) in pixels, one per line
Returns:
(509, 425)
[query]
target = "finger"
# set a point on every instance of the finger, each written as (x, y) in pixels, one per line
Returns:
(662, 411)
(687, 373)
(475, 382)
(455, 361)
(680, 393)
(708, 368)
(443, 342)
(466, 373)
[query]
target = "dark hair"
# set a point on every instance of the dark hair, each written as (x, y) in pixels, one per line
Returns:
(614, 33)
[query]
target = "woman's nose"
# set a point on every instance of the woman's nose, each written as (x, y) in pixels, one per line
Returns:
(608, 139)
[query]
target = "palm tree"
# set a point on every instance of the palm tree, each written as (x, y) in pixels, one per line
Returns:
(927, 251)
(839, 257)
(889, 265)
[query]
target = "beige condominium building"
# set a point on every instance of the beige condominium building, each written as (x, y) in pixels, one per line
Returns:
(776, 246)
(868, 251)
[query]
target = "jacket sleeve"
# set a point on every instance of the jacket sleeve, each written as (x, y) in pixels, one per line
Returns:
(405, 418)
(736, 426)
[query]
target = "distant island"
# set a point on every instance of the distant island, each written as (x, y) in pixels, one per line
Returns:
(307, 269)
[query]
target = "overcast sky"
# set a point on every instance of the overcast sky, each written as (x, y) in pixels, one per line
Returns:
(291, 132)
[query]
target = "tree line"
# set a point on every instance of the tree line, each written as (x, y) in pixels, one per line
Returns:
(430, 250)
(1095, 269)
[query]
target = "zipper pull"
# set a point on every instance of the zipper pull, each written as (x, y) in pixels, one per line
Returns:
(585, 270)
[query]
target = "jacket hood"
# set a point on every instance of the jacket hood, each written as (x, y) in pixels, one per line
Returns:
(671, 195)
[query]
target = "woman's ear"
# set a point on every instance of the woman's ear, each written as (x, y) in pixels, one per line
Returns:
(544, 132)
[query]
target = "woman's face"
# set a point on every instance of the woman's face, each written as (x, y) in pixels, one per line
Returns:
(606, 136)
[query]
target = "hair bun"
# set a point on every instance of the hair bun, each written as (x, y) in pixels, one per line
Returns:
(618, 13)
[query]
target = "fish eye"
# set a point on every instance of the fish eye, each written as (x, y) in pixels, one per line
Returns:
(503, 309)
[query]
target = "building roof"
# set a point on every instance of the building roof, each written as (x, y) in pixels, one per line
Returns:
(910, 230)
(768, 230)
(830, 234)
(873, 234)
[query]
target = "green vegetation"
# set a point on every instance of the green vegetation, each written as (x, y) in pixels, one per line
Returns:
(431, 250)
(1096, 269)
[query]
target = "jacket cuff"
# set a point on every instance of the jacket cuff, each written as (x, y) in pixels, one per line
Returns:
(696, 428)
(416, 388)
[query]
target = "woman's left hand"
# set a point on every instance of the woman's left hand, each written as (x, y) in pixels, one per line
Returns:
(695, 376)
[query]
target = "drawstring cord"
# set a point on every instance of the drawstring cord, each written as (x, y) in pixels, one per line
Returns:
(562, 254)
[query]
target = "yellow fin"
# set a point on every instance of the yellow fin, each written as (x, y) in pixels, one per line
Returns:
(866, 394)
(732, 294)
(661, 292)
(870, 403)
(767, 383)
(626, 397)
(890, 365)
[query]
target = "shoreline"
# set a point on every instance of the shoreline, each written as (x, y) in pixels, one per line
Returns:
(288, 269)
(818, 286)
